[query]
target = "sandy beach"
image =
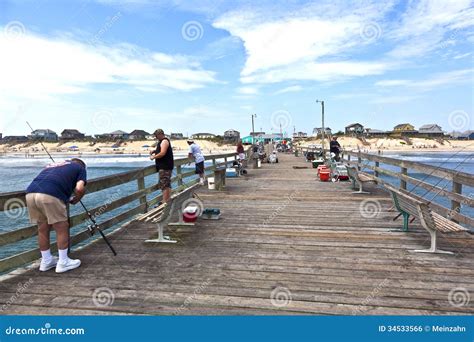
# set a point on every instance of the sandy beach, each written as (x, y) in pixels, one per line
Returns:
(397, 145)
(129, 147)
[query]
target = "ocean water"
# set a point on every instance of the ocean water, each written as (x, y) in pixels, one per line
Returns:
(16, 173)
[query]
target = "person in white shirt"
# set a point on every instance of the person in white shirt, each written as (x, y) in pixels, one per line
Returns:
(196, 154)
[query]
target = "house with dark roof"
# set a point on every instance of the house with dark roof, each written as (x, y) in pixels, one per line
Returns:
(354, 129)
(231, 135)
(431, 130)
(71, 134)
(138, 134)
(467, 135)
(43, 135)
(14, 139)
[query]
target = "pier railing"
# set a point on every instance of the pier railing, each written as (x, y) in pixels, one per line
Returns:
(16, 200)
(458, 196)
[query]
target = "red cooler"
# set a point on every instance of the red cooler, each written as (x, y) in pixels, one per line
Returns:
(324, 175)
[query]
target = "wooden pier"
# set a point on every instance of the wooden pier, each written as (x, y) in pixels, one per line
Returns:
(286, 244)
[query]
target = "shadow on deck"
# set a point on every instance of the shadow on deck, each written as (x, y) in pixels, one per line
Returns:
(286, 244)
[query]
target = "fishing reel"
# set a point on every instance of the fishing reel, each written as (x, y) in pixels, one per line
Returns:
(92, 228)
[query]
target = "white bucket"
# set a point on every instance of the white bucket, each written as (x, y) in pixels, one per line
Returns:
(211, 183)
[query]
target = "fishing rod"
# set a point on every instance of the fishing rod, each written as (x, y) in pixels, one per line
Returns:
(93, 226)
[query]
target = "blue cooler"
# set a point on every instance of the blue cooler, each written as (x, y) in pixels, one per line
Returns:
(231, 172)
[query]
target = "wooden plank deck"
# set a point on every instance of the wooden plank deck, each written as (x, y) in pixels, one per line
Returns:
(286, 244)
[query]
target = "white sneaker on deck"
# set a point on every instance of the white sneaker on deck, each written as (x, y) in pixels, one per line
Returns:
(201, 182)
(67, 265)
(46, 266)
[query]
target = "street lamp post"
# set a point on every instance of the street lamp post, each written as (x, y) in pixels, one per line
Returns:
(322, 129)
(253, 128)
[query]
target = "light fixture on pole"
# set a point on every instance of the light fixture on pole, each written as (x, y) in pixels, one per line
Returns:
(322, 128)
(253, 128)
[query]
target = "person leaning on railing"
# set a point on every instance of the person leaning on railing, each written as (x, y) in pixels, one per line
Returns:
(46, 198)
(164, 161)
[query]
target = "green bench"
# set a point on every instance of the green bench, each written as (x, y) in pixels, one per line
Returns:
(431, 221)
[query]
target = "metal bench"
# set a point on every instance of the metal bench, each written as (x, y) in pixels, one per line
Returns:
(431, 221)
(359, 178)
(163, 214)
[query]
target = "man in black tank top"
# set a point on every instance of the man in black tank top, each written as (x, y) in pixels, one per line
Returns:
(164, 161)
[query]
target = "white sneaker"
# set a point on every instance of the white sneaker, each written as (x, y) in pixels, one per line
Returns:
(201, 181)
(67, 265)
(46, 266)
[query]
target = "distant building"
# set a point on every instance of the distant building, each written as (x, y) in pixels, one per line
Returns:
(138, 134)
(231, 135)
(431, 130)
(404, 129)
(354, 129)
(468, 135)
(203, 136)
(43, 135)
(71, 134)
(114, 135)
(318, 131)
(14, 139)
(256, 133)
(298, 135)
(176, 136)
(371, 132)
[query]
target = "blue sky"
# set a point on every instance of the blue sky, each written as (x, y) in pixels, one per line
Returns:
(206, 66)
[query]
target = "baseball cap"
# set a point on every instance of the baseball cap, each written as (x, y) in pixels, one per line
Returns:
(159, 131)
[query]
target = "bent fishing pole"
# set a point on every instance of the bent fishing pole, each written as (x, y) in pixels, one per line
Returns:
(93, 226)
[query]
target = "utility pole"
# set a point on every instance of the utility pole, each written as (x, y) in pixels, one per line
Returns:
(253, 128)
(322, 129)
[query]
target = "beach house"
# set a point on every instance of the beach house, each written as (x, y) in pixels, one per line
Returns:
(231, 135)
(14, 139)
(71, 134)
(372, 132)
(468, 135)
(354, 129)
(43, 135)
(430, 130)
(318, 131)
(138, 134)
(404, 129)
(299, 135)
(177, 136)
(203, 136)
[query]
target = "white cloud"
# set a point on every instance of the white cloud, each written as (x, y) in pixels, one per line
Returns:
(289, 89)
(248, 90)
(37, 67)
(426, 24)
(437, 80)
(285, 43)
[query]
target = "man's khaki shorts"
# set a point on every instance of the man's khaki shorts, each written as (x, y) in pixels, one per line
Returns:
(45, 208)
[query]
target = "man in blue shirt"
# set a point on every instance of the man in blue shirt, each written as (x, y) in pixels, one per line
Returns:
(47, 198)
(196, 154)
